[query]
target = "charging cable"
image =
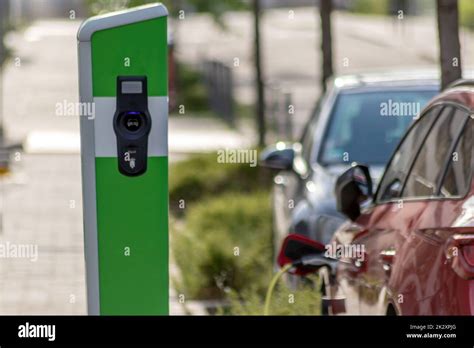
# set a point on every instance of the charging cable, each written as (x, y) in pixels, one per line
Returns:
(271, 287)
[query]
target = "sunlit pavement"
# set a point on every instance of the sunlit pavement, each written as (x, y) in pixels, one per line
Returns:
(42, 203)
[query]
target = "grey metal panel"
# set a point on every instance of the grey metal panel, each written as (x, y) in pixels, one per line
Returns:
(116, 19)
(88, 182)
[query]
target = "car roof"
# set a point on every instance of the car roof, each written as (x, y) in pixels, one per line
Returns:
(405, 78)
(462, 94)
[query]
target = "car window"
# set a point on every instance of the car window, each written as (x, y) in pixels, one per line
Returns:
(458, 175)
(366, 126)
(431, 160)
(391, 185)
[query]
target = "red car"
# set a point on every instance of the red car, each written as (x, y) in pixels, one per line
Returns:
(409, 247)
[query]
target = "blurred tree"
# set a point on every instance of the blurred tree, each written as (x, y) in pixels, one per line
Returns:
(260, 109)
(449, 46)
(215, 8)
(325, 9)
(4, 18)
(4, 14)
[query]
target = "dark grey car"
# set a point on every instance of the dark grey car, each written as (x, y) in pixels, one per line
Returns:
(360, 119)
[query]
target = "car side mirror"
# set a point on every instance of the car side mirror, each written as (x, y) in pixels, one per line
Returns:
(301, 251)
(278, 157)
(353, 188)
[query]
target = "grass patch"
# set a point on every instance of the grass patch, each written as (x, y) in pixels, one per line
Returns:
(285, 301)
(244, 111)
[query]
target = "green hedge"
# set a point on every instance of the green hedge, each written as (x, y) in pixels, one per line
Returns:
(203, 248)
(191, 90)
(227, 207)
(201, 176)
(378, 7)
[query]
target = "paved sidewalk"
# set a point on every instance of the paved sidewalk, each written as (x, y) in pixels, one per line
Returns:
(43, 207)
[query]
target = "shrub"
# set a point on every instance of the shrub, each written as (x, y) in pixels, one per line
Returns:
(304, 301)
(191, 90)
(379, 7)
(204, 248)
(466, 13)
(201, 176)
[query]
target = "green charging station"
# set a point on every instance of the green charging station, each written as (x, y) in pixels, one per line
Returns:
(123, 71)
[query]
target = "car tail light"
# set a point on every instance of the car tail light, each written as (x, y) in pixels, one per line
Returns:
(460, 252)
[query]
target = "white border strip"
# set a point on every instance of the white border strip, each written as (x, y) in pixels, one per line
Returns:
(88, 183)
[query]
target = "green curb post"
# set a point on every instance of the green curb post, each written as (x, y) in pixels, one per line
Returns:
(123, 71)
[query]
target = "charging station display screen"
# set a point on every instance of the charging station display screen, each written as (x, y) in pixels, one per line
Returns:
(132, 87)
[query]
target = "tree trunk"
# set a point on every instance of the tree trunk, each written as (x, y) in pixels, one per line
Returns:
(3, 26)
(4, 18)
(325, 9)
(260, 109)
(449, 46)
